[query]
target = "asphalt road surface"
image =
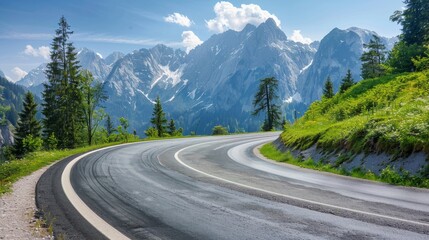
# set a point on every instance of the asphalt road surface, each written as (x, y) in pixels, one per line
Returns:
(217, 188)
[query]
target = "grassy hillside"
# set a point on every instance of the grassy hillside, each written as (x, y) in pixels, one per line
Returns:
(388, 114)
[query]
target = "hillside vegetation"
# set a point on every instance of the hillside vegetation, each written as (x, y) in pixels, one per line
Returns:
(389, 114)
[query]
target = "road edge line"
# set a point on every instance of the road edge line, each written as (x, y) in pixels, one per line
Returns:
(96, 221)
(176, 156)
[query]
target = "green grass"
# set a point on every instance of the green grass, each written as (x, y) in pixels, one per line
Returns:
(387, 175)
(271, 152)
(388, 114)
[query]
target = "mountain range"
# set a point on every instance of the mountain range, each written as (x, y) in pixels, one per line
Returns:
(215, 83)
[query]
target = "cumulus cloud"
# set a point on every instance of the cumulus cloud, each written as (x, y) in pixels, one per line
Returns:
(18, 74)
(178, 19)
(236, 18)
(190, 40)
(42, 51)
(297, 37)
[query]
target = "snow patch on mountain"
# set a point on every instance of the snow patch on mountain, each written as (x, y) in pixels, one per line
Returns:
(306, 67)
(168, 76)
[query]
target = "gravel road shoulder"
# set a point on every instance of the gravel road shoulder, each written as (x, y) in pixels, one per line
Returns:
(17, 210)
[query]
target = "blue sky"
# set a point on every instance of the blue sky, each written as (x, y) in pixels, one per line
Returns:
(27, 26)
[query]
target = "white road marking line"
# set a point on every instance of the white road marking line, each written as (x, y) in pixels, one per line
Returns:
(102, 226)
(176, 156)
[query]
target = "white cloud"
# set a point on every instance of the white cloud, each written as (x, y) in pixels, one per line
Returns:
(18, 74)
(236, 18)
(42, 51)
(179, 19)
(297, 37)
(190, 40)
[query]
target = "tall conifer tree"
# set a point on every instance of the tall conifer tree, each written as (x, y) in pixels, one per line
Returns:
(347, 82)
(171, 127)
(373, 58)
(328, 90)
(27, 125)
(109, 126)
(265, 99)
(62, 107)
(158, 118)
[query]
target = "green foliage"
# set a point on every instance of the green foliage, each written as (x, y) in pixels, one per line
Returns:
(265, 100)
(373, 58)
(347, 82)
(387, 114)
(415, 21)
(92, 96)
(409, 53)
(11, 102)
(51, 142)
(328, 90)
(32, 144)
(6, 154)
(28, 129)
(219, 130)
(109, 126)
(387, 175)
(171, 127)
(177, 133)
(401, 57)
(421, 63)
(123, 129)
(158, 119)
(151, 132)
(62, 93)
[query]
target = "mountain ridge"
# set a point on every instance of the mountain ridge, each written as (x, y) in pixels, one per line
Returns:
(215, 82)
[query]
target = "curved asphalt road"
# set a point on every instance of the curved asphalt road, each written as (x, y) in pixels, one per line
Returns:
(216, 188)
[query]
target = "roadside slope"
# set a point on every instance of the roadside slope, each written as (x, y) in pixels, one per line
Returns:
(377, 123)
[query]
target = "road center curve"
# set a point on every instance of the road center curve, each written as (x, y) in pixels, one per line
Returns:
(179, 160)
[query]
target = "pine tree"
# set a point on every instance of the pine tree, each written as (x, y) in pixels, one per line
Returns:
(62, 107)
(109, 126)
(172, 128)
(158, 119)
(93, 96)
(28, 126)
(347, 82)
(373, 58)
(264, 100)
(407, 54)
(328, 91)
(415, 22)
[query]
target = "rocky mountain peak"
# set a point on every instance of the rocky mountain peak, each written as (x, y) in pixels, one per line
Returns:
(271, 31)
(113, 57)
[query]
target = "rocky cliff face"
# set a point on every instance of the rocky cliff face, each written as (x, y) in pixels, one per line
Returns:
(338, 51)
(215, 83)
(6, 136)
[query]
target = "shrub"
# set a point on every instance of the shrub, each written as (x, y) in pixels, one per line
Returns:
(32, 144)
(151, 132)
(51, 142)
(219, 130)
(389, 175)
